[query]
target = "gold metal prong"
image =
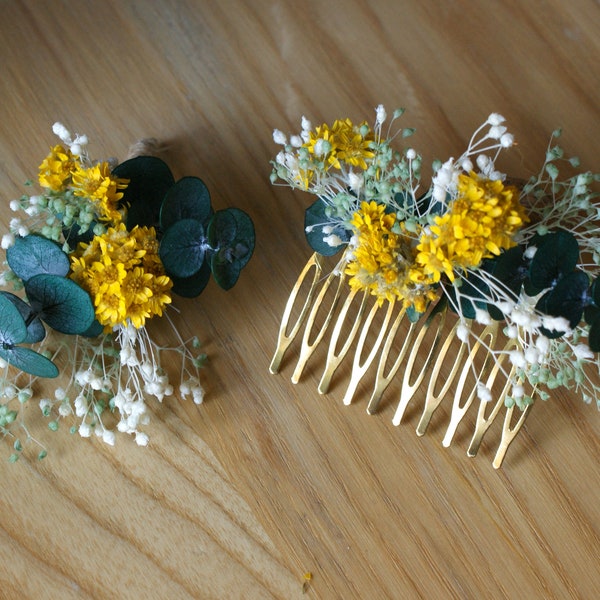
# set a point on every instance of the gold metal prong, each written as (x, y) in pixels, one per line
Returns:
(418, 355)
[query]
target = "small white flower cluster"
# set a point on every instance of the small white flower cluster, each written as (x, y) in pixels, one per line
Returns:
(496, 138)
(76, 144)
(194, 387)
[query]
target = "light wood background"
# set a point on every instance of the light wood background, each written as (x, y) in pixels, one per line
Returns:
(266, 481)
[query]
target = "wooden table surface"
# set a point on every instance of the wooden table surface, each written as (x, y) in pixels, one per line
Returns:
(267, 481)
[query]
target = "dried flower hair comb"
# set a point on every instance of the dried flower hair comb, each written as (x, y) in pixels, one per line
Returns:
(472, 289)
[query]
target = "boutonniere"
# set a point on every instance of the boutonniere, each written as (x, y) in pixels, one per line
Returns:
(100, 251)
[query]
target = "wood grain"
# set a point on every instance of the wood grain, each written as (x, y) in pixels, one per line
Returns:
(240, 497)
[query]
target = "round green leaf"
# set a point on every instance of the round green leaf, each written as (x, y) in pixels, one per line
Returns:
(12, 325)
(231, 236)
(225, 273)
(189, 198)
(182, 248)
(35, 328)
(74, 235)
(242, 247)
(557, 255)
(149, 180)
(34, 254)
(594, 336)
(590, 313)
(63, 305)
(314, 221)
(94, 330)
(190, 287)
(222, 229)
(29, 361)
(568, 298)
(595, 292)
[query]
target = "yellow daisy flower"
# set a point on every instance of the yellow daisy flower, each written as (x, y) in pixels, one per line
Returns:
(57, 168)
(97, 184)
(124, 275)
(479, 224)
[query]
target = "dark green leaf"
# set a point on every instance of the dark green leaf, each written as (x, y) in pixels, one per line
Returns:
(242, 246)
(30, 361)
(149, 180)
(469, 296)
(190, 287)
(63, 305)
(314, 221)
(568, 298)
(12, 325)
(189, 198)
(557, 255)
(94, 330)
(590, 313)
(34, 254)
(35, 328)
(182, 248)
(222, 229)
(594, 336)
(595, 292)
(225, 273)
(73, 235)
(412, 314)
(231, 237)
(510, 270)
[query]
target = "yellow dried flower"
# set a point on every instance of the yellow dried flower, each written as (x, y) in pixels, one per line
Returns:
(56, 169)
(124, 275)
(383, 261)
(343, 141)
(98, 185)
(479, 224)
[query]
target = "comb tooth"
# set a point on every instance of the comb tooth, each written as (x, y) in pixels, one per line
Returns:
(458, 410)
(483, 423)
(359, 370)
(409, 389)
(284, 340)
(509, 434)
(382, 381)
(307, 347)
(432, 401)
(333, 360)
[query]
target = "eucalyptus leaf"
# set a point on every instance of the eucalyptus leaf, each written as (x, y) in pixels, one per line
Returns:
(569, 297)
(94, 330)
(222, 229)
(29, 361)
(557, 255)
(225, 273)
(594, 336)
(595, 292)
(189, 198)
(242, 247)
(63, 305)
(74, 235)
(35, 328)
(314, 221)
(182, 248)
(591, 313)
(12, 325)
(190, 287)
(149, 180)
(35, 254)
(510, 270)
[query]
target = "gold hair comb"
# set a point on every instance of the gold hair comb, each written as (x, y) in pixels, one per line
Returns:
(472, 293)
